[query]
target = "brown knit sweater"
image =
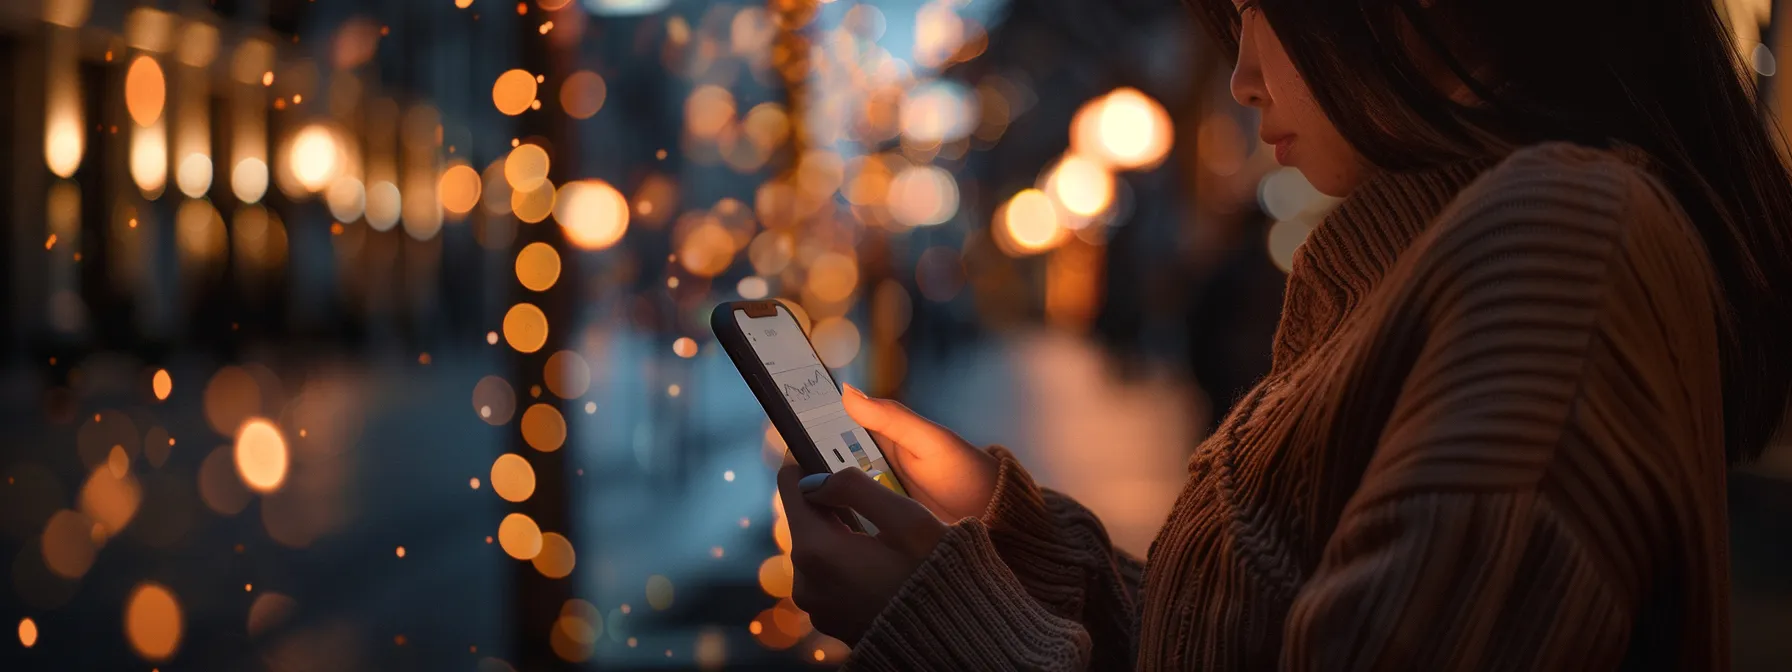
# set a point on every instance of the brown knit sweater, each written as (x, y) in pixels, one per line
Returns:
(1491, 439)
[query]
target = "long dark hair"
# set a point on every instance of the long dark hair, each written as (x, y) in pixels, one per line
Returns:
(1657, 74)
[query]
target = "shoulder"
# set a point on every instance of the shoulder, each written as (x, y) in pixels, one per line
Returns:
(1564, 221)
(1559, 193)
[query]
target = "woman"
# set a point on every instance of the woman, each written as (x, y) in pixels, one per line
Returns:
(1510, 371)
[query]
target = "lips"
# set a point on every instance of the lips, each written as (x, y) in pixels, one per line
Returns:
(1283, 143)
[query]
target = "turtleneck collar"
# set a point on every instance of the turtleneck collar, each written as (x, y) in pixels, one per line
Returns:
(1347, 254)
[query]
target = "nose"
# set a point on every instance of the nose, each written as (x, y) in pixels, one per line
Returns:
(1247, 75)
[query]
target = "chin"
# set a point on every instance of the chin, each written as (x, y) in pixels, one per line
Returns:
(1333, 183)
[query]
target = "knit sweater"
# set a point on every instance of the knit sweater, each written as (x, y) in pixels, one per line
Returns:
(1491, 438)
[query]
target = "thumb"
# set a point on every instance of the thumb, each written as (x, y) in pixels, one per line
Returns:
(854, 489)
(893, 420)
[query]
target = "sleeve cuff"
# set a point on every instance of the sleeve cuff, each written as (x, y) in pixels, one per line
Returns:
(963, 609)
(1052, 544)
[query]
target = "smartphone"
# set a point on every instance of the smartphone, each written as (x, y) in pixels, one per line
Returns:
(779, 363)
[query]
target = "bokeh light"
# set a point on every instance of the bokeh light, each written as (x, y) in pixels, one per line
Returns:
(519, 536)
(923, 196)
(833, 276)
(68, 546)
(776, 575)
(1082, 186)
(707, 249)
(347, 199)
(567, 374)
(525, 328)
(314, 157)
(194, 175)
(659, 592)
(153, 621)
(231, 397)
(1029, 224)
(557, 558)
(269, 611)
(534, 205)
(145, 90)
(512, 478)
(111, 496)
(261, 457)
(837, 340)
(493, 400)
(708, 110)
(582, 94)
(685, 347)
(592, 214)
(149, 160)
(575, 632)
(27, 632)
(544, 429)
(526, 167)
(1125, 129)
(249, 180)
(538, 266)
(384, 205)
(161, 384)
(513, 92)
(459, 188)
(219, 485)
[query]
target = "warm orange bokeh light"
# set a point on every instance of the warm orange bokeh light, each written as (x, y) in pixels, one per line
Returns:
(28, 632)
(544, 429)
(512, 477)
(525, 328)
(459, 189)
(685, 347)
(557, 558)
(162, 384)
(582, 94)
(776, 575)
(833, 276)
(1125, 129)
(145, 90)
(709, 109)
(526, 167)
(315, 158)
(538, 266)
(533, 205)
(592, 214)
(68, 544)
(261, 457)
(152, 621)
(520, 536)
(1083, 186)
(1029, 223)
(513, 92)
(707, 250)
(111, 495)
(567, 375)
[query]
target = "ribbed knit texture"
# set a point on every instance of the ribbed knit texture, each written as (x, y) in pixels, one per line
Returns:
(1491, 439)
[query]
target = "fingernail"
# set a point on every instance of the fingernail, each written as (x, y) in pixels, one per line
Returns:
(812, 482)
(857, 391)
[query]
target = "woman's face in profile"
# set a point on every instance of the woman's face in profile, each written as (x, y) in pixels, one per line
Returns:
(1292, 121)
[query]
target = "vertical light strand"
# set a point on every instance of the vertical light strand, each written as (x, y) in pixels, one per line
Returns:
(64, 138)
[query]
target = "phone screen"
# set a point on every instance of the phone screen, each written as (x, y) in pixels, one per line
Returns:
(803, 380)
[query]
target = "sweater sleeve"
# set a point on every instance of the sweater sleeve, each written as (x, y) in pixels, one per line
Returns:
(1034, 584)
(1505, 518)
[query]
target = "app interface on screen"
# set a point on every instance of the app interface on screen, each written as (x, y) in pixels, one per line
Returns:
(805, 383)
